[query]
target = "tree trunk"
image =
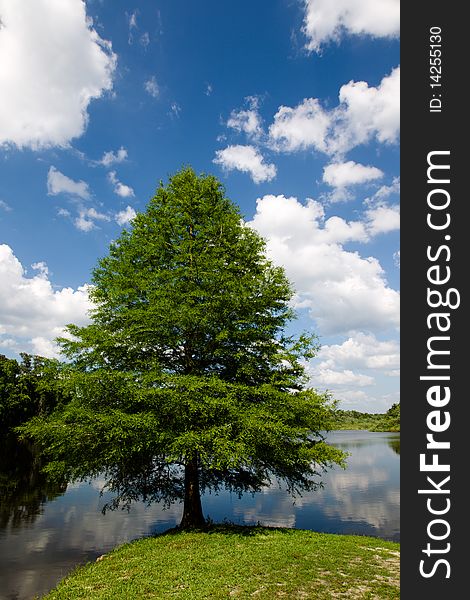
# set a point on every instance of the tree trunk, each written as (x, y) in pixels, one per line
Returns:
(193, 517)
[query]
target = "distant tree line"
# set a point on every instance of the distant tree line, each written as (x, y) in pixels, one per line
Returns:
(353, 419)
(28, 388)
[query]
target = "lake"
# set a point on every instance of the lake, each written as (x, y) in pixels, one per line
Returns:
(45, 529)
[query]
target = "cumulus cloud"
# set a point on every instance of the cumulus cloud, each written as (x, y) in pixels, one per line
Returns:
(247, 159)
(384, 192)
(349, 173)
(364, 113)
(344, 291)
(83, 223)
(41, 267)
(58, 183)
(151, 87)
(112, 158)
(247, 121)
(305, 126)
(340, 368)
(362, 351)
(120, 188)
(367, 112)
(125, 216)
(87, 217)
(328, 20)
(33, 311)
(354, 399)
(383, 219)
(327, 377)
(44, 101)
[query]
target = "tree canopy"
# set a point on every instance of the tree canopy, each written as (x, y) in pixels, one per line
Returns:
(27, 388)
(185, 380)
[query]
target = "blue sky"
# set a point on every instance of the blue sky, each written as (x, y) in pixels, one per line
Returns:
(293, 104)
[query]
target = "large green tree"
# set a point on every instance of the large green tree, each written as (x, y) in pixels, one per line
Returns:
(185, 381)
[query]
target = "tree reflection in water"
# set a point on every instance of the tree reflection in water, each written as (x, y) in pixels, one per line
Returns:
(24, 489)
(394, 444)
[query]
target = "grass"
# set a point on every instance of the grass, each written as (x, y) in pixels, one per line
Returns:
(240, 562)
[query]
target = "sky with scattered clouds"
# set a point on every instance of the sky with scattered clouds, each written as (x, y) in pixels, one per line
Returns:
(293, 104)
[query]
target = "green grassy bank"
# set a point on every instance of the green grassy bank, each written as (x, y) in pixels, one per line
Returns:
(240, 562)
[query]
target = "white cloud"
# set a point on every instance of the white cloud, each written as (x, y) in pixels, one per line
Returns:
(144, 39)
(83, 223)
(4, 206)
(87, 217)
(133, 20)
(396, 258)
(384, 192)
(328, 20)
(175, 110)
(363, 114)
(247, 121)
(41, 267)
(125, 216)
(328, 378)
(353, 399)
(305, 126)
(58, 183)
(349, 173)
(247, 159)
(33, 311)
(341, 176)
(209, 89)
(120, 188)
(362, 351)
(359, 361)
(368, 112)
(111, 158)
(151, 87)
(44, 347)
(344, 291)
(44, 101)
(383, 219)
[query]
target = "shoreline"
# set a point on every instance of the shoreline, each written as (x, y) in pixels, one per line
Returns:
(241, 561)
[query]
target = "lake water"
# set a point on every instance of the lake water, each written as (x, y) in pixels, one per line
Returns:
(46, 530)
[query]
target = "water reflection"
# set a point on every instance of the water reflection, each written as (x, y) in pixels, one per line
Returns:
(45, 532)
(362, 499)
(23, 488)
(394, 443)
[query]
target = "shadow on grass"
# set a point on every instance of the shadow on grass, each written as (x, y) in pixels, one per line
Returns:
(228, 528)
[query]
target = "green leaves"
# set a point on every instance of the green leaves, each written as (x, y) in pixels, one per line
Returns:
(28, 388)
(185, 360)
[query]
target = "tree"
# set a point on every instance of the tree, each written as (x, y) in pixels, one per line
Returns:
(27, 388)
(185, 381)
(391, 421)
